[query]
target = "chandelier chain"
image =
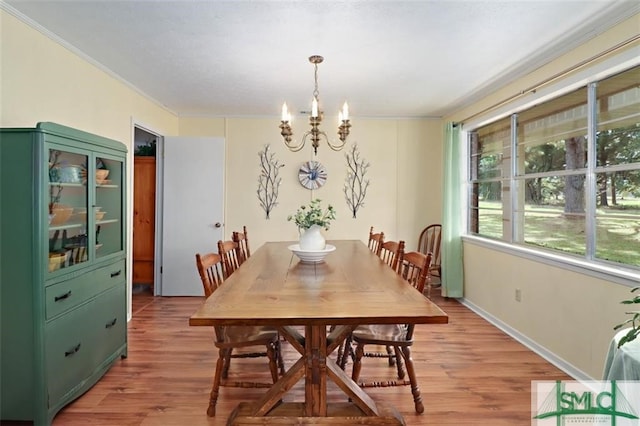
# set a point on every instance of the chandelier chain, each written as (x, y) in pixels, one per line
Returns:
(316, 93)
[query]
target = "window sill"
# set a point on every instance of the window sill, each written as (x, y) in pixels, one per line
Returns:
(618, 274)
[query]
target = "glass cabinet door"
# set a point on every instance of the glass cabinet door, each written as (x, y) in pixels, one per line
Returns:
(85, 204)
(67, 209)
(108, 206)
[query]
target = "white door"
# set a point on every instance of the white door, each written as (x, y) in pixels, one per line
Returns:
(192, 210)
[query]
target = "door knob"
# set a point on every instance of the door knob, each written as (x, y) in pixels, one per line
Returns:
(218, 225)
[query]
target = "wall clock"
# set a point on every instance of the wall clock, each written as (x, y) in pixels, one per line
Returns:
(312, 175)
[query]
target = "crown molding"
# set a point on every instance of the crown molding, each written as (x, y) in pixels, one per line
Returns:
(71, 48)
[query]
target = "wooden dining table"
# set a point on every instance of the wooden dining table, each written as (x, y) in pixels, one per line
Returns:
(327, 300)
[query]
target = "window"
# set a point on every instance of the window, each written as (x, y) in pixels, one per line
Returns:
(489, 148)
(572, 184)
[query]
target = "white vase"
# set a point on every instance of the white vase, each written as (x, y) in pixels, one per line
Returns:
(312, 239)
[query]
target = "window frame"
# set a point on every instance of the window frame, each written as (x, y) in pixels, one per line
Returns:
(588, 263)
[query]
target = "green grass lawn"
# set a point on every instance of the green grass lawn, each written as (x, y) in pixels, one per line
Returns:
(617, 229)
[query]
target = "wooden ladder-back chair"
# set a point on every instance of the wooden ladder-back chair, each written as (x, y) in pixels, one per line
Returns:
(429, 242)
(414, 269)
(242, 239)
(392, 252)
(229, 338)
(211, 271)
(375, 241)
(229, 252)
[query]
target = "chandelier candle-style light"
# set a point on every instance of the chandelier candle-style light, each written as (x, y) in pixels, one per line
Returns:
(314, 121)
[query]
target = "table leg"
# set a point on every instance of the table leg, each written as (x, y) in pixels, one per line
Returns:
(315, 366)
(276, 392)
(315, 384)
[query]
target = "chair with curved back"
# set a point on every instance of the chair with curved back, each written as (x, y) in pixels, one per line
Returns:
(414, 269)
(210, 268)
(242, 239)
(429, 242)
(375, 241)
(229, 251)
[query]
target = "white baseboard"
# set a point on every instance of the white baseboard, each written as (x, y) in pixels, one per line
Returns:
(563, 365)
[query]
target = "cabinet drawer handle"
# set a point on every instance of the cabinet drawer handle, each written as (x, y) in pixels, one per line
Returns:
(111, 323)
(64, 296)
(73, 351)
(115, 274)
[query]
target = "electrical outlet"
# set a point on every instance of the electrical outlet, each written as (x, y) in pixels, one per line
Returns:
(518, 295)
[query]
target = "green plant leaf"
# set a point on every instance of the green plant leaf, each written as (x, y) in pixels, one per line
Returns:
(634, 330)
(313, 214)
(629, 337)
(619, 326)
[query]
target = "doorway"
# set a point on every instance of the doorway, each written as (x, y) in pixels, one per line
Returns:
(146, 144)
(184, 213)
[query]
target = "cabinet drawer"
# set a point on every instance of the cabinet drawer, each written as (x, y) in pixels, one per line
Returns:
(68, 350)
(110, 322)
(67, 294)
(82, 339)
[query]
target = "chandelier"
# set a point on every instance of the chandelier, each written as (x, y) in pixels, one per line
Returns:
(315, 134)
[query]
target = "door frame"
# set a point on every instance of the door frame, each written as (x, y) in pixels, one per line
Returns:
(157, 257)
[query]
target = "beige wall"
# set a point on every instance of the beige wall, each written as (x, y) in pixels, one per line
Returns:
(43, 81)
(40, 80)
(396, 202)
(569, 313)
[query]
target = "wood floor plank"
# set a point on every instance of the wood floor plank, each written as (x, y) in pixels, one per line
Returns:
(470, 373)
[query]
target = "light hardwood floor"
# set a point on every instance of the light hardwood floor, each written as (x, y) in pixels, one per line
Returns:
(470, 373)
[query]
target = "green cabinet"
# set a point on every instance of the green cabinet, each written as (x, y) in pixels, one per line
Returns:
(62, 266)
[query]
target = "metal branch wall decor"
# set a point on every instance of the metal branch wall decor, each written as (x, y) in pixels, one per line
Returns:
(268, 181)
(355, 184)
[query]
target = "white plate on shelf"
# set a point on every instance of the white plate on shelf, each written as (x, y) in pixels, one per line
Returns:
(311, 256)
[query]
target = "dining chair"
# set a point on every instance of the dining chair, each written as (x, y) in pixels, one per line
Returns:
(242, 239)
(210, 268)
(211, 271)
(415, 270)
(392, 252)
(429, 241)
(375, 241)
(229, 252)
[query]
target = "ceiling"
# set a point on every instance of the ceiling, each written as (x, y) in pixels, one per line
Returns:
(386, 58)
